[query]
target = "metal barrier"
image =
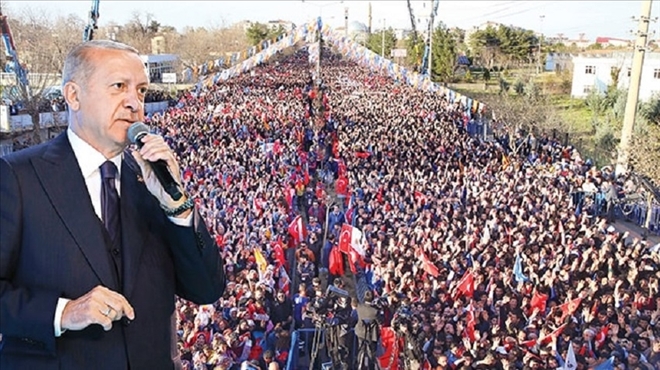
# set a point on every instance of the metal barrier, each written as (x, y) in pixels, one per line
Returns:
(636, 212)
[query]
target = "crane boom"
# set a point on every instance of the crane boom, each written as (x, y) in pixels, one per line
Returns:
(412, 23)
(88, 33)
(12, 64)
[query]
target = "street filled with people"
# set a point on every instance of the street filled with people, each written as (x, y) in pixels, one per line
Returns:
(480, 258)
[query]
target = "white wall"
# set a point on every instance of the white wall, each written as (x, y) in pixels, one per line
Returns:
(602, 77)
(51, 119)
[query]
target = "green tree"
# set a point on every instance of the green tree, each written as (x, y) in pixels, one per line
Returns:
(504, 45)
(375, 42)
(444, 54)
(257, 32)
(414, 53)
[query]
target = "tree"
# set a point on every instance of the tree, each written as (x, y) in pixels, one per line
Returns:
(444, 54)
(258, 32)
(42, 42)
(504, 45)
(518, 116)
(375, 42)
(414, 53)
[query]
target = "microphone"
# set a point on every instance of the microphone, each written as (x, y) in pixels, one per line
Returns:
(135, 134)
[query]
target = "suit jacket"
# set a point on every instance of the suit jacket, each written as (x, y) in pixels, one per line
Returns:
(367, 314)
(53, 245)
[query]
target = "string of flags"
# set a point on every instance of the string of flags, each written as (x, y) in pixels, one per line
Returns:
(259, 54)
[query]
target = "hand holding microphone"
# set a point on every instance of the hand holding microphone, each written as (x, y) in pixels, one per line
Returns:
(160, 169)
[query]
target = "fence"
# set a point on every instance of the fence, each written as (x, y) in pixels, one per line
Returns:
(635, 211)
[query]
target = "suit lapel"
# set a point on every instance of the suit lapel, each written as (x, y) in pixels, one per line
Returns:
(60, 176)
(133, 223)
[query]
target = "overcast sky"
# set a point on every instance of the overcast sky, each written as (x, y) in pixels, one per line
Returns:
(594, 18)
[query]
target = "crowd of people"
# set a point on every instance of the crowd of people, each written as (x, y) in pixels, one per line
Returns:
(482, 257)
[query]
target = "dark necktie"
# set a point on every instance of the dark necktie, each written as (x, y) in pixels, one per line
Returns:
(110, 202)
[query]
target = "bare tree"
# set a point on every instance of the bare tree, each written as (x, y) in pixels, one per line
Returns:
(42, 42)
(520, 116)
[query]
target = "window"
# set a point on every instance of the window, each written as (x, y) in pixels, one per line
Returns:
(587, 89)
(590, 70)
(656, 73)
(629, 71)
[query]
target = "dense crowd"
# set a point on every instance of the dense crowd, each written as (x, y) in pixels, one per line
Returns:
(483, 256)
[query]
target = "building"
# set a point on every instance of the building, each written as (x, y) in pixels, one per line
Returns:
(611, 41)
(593, 71)
(358, 32)
(557, 62)
(159, 64)
(286, 25)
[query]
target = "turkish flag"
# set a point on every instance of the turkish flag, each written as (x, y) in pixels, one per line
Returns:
(341, 168)
(390, 357)
(555, 334)
(278, 254)
(362, 155)
(471, 322)
(336, 263)
(569, 307)
(341, 187)
(297, 230)
(465, 285)
(427, 265)
(539, 301)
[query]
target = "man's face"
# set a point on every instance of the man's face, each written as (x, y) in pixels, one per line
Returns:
(110, 100)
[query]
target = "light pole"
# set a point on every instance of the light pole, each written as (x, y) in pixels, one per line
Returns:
(382, 41)
(538, 66)
(318, 30)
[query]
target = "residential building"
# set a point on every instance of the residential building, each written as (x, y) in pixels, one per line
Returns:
(593, 71)
(157, 64)
(611, 41)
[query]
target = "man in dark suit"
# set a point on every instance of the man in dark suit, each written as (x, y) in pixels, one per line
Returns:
(367, 330)
(92, 249)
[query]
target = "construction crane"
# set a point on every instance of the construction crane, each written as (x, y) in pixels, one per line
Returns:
(426, 59)
(412, 23)
(12, 63)
(88, 33)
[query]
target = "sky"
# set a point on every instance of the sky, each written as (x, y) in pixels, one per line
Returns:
(593, 18)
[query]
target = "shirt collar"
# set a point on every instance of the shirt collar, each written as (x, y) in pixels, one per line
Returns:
(89, 159)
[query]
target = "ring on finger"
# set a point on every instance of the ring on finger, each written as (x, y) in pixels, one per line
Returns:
(107, 311)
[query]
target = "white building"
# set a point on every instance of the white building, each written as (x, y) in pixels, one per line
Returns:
(594, 72)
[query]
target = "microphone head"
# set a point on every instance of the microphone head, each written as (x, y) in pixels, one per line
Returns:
(136, 131)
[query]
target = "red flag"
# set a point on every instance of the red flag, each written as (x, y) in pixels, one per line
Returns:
(341, 186)
(465, 285)
(297, 231)
(289, 192)
(427, 265)
(345, 238)
(362, 155)
(278, 254)
(390, 357)
(471, 322)
(555, 334)
(336, 263)
(601, 336)
(569, 307)
(341, 168)
(539, 301)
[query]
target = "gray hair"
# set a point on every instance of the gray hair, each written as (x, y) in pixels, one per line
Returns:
(77, 66)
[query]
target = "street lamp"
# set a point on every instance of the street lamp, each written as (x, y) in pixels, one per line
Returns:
(318, 61)
(382, 41)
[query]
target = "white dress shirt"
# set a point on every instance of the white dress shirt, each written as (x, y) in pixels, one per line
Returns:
(90, 161)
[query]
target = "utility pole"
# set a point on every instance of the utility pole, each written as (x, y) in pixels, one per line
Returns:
(633, 89)
(346, 22)
(538, 59)
(382, 41)
(430, 66)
